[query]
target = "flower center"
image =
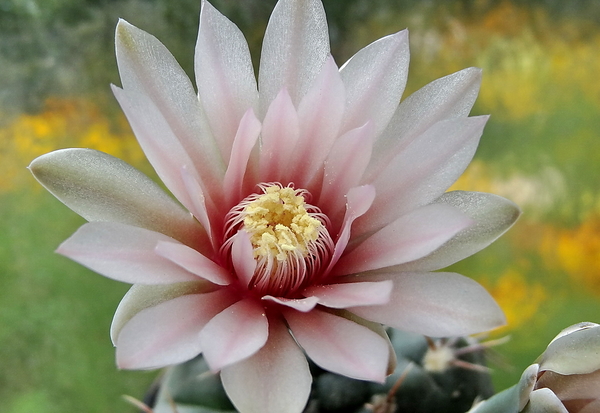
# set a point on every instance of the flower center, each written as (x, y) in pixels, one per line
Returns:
(289, 237)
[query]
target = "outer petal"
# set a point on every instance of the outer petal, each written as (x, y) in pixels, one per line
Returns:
(544, 401)
(351, 294)
(123, 253)
(141, 296)
(410, 237)
(423, 171)
(436, 305)
(493, 216)
(445, 98)
(375, 78)
(224, 75)
(165, 114)
(574, 353)
(340, 345)
(295, 47)
(572, 387)
(168, 332)
(100, 187)
(276, 379)
(234, 334)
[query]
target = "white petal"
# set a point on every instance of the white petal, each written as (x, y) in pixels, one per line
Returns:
(445, 98)
(408, 238)
(574, 353)
(194, 262)
(141, 296)
(165, 114)
(375, 78)
(351, 294)
(276, 379)
(295, 46)
(340, 345)
(423, 171)
(166, 333)
(124, 253)
(493, 216)
(544, 401)
(224, 75)
(100, 187)
(234, 334)
(435, 304)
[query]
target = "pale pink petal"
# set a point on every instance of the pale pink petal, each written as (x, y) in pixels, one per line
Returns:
(279, 135)
(375, 78)
(445, 98)
(344, 167)
(358, 202)
(320, 113)
(100, 187)
(276, 379)
(246, 137)
(198, 207)
(140, 297)
(410, 237)
(340, 345)
(124, 253)
(572, 386)
(295, 46)
(234, 334)
(435, 304)
(167, 333)
(351, 294)
(242, 256)
(545, 401)
(165, 114)
(301, 304)
(493, 216)
(194, 262)
(224, 75)
(423, 171)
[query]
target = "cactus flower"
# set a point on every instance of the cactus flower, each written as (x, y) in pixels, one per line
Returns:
(311, 207)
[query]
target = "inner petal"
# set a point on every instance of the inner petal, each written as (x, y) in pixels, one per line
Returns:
(289, 237)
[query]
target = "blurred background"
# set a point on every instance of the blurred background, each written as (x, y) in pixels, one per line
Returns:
(541, 148)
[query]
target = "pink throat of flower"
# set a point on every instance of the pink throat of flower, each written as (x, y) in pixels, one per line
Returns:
(290, 238)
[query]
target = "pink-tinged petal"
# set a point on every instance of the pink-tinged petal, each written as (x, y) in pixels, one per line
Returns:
(410, 237)
(124, 253)
(198, 206)
(375, 78)
(100, 187)
(165, 114)
(545, 401)
(445, 98)
(493, 216)
(279, 135)
(242, 256)
(301, 304)
(320, 113)
(344, 167)
(234, 334)
(276, 379)
(423, 171)
(435, 304)
(340, 345)
(224, 75)
(245, 138)
(140, 297)
(168, 332)
(194, 262)
(351, 294)
(358, 202)
(295, 46)
(573, 386)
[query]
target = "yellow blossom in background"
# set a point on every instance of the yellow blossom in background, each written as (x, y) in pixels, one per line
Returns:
(62, 123)
(519, 299)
